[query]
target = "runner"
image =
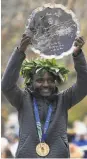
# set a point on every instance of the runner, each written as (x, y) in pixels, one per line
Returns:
(42, 109)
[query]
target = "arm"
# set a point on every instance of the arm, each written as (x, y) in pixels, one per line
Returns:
(9, 87)
(78, 91)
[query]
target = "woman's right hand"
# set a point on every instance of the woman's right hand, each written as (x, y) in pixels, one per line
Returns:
(25, 41)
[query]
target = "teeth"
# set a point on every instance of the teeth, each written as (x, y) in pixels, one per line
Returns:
(46, 90)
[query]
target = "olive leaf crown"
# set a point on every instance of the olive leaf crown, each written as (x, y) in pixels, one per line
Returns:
(29, 68)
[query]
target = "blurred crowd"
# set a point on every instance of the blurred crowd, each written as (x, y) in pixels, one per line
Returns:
(77, 137)
(10, 137)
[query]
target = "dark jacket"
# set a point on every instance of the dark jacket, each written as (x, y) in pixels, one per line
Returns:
(61, 102)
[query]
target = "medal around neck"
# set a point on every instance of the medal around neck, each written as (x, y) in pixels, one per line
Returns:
(42, 149)
(54, 30)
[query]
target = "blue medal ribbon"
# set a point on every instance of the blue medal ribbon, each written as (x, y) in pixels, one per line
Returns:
(42, 136)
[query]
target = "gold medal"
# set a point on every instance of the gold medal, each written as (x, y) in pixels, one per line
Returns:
(42, 149)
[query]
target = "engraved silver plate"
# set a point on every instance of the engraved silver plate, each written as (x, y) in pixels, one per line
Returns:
(54, 29)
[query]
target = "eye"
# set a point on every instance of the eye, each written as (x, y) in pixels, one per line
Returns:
(40, 80)
(51, 80)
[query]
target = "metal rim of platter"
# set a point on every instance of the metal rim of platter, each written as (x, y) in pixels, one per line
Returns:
(65, 10)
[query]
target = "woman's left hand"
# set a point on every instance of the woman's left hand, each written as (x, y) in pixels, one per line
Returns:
(78, 44)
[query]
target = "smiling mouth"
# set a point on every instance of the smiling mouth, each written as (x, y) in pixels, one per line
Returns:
(45, 90)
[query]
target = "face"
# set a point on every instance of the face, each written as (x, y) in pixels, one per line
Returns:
(44, 83)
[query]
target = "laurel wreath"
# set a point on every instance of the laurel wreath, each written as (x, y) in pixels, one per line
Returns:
(29, 68)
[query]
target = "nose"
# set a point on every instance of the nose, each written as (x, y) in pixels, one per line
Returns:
(45, 83)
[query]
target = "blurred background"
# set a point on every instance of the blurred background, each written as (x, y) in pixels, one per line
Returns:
(14, 16)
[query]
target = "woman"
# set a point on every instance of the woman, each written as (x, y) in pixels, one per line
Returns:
(41, 108)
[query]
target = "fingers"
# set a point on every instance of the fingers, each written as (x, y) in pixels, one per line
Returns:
(25, 38)
(25, 41)
(76, 43)
(79, 41)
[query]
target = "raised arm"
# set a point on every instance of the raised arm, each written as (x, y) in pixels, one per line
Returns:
(9, 87)
(78, 91)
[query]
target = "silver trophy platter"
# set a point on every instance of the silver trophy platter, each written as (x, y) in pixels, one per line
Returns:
(54, 30)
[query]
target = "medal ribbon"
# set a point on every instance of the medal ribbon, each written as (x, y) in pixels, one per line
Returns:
(41, 135)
